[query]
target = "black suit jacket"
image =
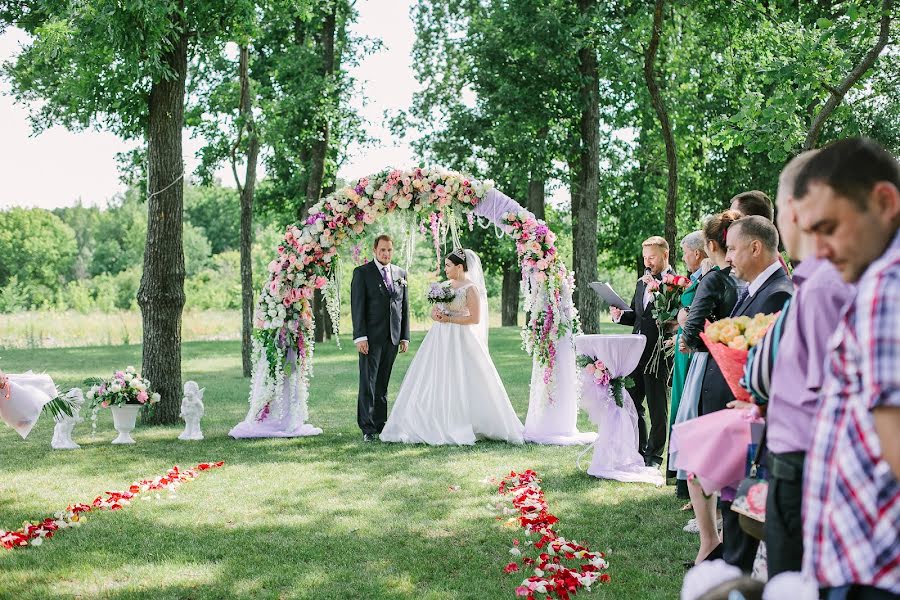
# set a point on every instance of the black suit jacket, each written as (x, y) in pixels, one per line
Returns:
(769, 298)
(378, 314)
(714, 299)
(641, 318)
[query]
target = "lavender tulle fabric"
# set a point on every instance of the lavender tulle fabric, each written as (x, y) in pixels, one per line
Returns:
(615, 451)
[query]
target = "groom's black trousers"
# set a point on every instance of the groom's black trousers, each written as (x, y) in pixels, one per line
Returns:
(655, 389)
(374, 375)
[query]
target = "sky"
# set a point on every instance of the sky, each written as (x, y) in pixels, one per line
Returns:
(58, 168)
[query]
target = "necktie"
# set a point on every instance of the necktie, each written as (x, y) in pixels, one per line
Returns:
(387, 278)
(742, 295)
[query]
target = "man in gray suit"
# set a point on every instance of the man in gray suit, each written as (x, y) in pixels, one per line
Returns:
(379, 304)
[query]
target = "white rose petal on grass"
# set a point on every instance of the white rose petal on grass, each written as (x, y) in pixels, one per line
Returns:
(515, 551)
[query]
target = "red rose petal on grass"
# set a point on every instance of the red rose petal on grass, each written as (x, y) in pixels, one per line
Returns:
(553, 577)
(37, 533)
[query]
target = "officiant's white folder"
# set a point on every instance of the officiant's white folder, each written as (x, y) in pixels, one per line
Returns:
(609, 295)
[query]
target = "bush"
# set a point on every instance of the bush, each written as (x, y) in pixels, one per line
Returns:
(78, 296)
(217, 286)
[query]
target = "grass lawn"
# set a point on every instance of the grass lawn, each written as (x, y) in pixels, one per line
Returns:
(321, 517)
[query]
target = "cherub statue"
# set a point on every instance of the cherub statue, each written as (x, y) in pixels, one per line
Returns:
(191, 411)
(62, 433)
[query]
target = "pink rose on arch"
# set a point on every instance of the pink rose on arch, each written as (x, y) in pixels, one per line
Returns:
(321, 282)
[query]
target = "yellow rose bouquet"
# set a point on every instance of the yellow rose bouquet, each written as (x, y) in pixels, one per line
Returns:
(729, 342)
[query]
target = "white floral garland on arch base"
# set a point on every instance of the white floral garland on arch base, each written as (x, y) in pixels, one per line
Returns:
(307, 260)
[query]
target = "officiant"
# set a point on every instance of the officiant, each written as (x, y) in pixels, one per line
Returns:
(650, 386)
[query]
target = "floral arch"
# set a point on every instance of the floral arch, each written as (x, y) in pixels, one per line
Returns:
(441, 200)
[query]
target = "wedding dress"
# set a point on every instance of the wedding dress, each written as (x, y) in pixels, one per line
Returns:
(452, 393)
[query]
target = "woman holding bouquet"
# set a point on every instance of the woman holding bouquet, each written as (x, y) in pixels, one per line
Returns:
(714, 299)
(452, 393)
(693, 249)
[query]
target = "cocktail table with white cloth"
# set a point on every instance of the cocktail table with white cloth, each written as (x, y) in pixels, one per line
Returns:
(615, 450)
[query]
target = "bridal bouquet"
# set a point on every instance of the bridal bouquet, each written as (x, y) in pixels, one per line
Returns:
(124, 387)
(729, 342)
(666, 304)
(440, 293)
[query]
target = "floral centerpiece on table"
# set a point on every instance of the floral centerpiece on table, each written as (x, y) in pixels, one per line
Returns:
(729, 342)
(666, 304)
(124, 387)
(601, 375)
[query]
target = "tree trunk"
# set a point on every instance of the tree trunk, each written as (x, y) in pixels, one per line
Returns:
(320, 145)
(584, 217)
(161, 293)
(665, 125)
(246, 193)
(838, 93)
(512, 276)
(536, 198)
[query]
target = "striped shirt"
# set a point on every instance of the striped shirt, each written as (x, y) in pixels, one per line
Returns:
(851, 499)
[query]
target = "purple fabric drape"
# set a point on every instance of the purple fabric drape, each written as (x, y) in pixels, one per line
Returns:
(494, 205)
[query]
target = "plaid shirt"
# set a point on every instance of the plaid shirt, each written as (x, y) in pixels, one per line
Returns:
(851, 499)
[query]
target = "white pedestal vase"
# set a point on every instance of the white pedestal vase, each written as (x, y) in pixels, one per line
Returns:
(124, 419)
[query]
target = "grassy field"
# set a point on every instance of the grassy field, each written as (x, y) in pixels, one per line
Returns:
(322, 517)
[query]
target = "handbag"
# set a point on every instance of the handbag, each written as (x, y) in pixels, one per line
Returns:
(750, 500)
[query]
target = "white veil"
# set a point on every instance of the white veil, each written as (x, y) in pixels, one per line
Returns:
(476, 276)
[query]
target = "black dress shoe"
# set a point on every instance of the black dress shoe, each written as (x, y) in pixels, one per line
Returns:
(653, 461)
(369, 437)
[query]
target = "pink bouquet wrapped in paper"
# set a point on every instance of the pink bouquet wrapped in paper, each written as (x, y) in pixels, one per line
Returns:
(714, 447)
(731, 363)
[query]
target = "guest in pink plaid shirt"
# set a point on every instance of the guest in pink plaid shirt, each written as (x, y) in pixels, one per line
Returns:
(849, 200)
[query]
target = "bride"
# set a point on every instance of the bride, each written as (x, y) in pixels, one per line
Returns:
(452, 393)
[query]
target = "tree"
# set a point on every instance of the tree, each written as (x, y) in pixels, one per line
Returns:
(37, 248)
(214, 209)
(122, 67)
(855, 74)
(659, 106)
(499, 90)
(246, 192)
(585, 203)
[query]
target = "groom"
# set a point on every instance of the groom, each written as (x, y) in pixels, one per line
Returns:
(379, 304)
